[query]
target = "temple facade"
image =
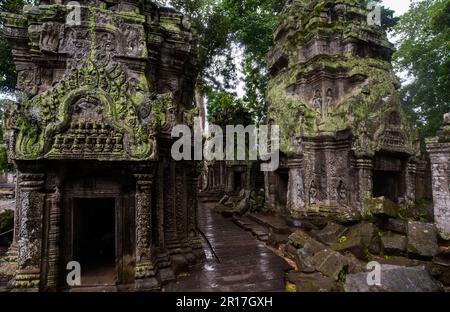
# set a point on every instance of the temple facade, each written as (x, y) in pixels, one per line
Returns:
(102, 85)
(345, 139)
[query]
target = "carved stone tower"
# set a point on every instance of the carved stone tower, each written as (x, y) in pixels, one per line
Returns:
(343, 132)
(102, 84)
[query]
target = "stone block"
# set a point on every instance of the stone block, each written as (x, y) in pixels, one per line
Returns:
(361, 240)
(330, 263)
(393, 244)
(313, 282)
(394, 279)
(396, 225)
(422, 239)
(331, 233)
(383, 206)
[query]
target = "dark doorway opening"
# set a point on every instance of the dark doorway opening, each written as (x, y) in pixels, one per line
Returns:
(237, 181)
(387, 184)
(283, 182)
(259, 179)
(95, 240)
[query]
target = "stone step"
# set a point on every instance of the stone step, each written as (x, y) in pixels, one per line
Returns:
(277, 224)
(256, 229)
(92, 289)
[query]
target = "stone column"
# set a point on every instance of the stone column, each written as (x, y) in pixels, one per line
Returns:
(31, 204)
(296, 203)
(364, 168)
(410, 182)
(145, 272)
(270, 190)
(440, 157)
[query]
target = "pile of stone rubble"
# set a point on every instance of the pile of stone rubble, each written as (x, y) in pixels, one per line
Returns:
(404, 255)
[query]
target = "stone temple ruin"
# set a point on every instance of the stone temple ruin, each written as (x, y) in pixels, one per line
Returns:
(344, 135)
(355, 183)
(100, 96)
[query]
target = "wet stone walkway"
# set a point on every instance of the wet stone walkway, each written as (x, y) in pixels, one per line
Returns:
(246, 264)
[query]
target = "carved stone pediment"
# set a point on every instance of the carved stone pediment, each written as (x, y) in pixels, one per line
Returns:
(97, 98)
(92, 113)
(393, 137)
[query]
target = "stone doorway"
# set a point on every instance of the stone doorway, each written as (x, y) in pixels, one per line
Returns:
(283, 182)
(389, 176)
(238, 181)
(95, 240)
(387, 184)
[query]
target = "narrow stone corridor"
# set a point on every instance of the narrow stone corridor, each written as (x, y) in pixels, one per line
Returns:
(246, 264)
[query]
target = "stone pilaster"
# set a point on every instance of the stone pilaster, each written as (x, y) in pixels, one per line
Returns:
(296, 188)
(410, 182)
(145, 270)
(364, 168)
(29, 239)
(440, 157)
(54, 239)
(439, 150)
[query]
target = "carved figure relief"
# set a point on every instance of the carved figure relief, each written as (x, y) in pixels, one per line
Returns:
(26, 82)
(50, 37)
(87, 109)
(393, 137)
(317, 100)
(342, 193)
(328, 102)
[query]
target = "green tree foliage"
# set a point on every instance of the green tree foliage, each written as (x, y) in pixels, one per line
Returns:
(7, 69)
(388, 20)
(249, 25)
(424, 53)
(252, 23)
(226, 109)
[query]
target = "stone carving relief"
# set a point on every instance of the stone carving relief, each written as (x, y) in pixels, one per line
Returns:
(50, 37)
(75, 44)
(143, 220)
(90, 100)
(26, 82)
(328, 101)
(313, 193)
(393, 137)
(317, 100)
(342, 193)
(30, 229)
(135, 40)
